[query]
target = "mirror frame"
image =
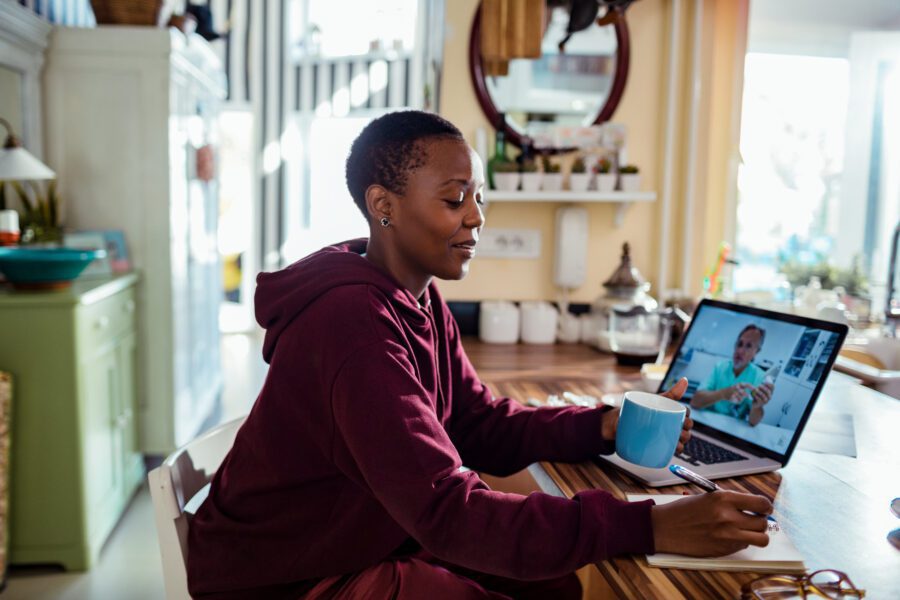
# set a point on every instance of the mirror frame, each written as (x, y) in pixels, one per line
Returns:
(490, 110)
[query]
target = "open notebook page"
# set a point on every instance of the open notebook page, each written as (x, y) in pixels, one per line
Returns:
(780, 556)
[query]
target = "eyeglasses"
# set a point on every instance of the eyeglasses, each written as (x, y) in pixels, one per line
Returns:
(826, 583)
(894, 536)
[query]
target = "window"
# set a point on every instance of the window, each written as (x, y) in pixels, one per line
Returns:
(792, 144)
(820, 135)
(353, 61)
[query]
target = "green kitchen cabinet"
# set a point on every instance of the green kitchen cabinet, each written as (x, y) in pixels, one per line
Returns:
(75, 462)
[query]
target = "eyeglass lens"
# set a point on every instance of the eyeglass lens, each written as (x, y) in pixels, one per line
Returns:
(831, 582)
(894, 536)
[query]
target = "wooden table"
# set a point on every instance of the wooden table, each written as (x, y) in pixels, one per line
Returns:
(834, 508)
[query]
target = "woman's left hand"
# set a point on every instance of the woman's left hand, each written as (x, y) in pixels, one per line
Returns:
(611, 418)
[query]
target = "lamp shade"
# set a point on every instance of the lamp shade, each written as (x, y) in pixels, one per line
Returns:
(17, 164)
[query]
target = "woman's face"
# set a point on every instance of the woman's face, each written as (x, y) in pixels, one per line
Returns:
(437, 221)
(745, 348)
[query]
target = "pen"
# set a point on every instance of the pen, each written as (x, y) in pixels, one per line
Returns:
(702, 482)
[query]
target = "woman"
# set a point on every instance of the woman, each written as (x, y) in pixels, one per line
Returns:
(345, 480)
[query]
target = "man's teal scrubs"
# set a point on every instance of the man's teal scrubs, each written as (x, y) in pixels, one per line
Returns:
(723, 377)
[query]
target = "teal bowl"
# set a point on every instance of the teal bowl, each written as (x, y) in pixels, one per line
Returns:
(44, 268)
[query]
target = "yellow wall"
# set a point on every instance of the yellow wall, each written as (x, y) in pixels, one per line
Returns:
(642, 111)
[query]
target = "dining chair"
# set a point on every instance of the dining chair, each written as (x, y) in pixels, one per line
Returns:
(178, 487)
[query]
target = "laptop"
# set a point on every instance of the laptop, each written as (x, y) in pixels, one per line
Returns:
(729, 344)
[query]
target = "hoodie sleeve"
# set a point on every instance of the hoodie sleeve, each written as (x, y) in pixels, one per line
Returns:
(389, 440)
(501, 436)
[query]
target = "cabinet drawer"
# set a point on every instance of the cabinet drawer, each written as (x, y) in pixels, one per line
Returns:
(104, 321)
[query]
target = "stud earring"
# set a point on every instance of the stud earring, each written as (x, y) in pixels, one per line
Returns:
(385, 222)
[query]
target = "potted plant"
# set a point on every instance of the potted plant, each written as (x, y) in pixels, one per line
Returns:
(553, 178)
(506, 175)
(531, 177)
(579, 178)
(40, 221)
(629, 179)
(606, 179)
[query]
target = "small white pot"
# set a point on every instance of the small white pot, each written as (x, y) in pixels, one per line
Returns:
(498, 322)
(552, 182)
(606, 182)
(630, 182)
(531, 182)
(506, 182)
(579, 182)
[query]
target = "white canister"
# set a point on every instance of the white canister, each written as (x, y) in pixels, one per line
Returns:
(539, 323)
(498, 323)
(569, 328)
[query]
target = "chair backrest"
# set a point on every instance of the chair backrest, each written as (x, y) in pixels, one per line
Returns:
(173, 485)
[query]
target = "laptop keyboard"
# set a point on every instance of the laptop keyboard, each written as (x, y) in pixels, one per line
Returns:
(698, 451)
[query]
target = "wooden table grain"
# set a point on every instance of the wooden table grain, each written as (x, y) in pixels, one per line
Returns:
(834, 508)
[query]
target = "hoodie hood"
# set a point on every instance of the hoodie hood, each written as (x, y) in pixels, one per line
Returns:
(281, 296)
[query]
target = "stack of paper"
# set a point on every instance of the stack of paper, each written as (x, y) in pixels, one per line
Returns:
(780, 556)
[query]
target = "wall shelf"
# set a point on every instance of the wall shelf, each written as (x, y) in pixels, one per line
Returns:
(622, 199)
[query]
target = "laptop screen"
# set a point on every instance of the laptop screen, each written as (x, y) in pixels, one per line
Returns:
(752, 373)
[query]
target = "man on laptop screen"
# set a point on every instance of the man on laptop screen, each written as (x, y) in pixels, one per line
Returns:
(737, 387)
(753, 377)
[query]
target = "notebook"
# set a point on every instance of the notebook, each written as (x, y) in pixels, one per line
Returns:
(780, 556)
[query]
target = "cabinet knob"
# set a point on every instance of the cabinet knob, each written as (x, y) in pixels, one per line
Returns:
(101, 323)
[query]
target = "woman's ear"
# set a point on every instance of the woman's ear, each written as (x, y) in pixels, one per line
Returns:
(378, 202)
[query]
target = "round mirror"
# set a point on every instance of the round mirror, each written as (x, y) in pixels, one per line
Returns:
(541, 96)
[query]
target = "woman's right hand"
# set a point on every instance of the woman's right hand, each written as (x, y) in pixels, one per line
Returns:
(712, 524)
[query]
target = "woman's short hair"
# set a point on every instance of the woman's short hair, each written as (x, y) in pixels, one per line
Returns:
(390, 148)
(752, 327)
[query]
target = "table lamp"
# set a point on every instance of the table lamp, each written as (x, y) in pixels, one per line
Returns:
(17, 163)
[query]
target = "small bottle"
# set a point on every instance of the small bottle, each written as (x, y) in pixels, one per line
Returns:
(499, 149)
(772, 374)
(9, 227)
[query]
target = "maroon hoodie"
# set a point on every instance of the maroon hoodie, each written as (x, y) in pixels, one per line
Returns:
(354, 447)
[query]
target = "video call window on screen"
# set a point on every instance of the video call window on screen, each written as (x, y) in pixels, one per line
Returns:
(749, 375)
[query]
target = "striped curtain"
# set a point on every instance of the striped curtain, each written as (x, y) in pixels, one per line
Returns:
(74, 13)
